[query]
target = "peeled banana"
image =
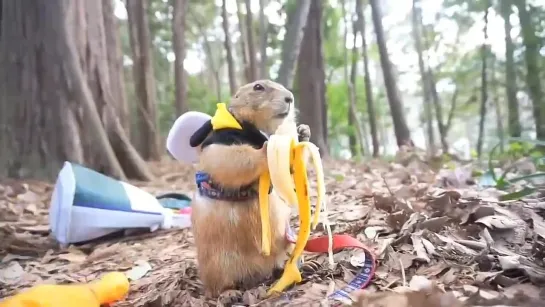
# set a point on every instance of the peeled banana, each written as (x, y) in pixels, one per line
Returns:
(284, 153)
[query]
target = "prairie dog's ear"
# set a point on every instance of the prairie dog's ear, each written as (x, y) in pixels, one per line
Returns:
(198, 137)
(180, 134)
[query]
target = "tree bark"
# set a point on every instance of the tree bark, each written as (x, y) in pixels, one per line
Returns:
(438, 110)
(403, 135)
(251, 41)
(56, 69)
(515, 128)
(311, 78)
(179, 9)
(243, 43)
(115, 64)
(228, 49)
(291, 45)
(144, 79)
(532, 58)
(264, 28)
(484, 83)
(367, 79)
(426, 92)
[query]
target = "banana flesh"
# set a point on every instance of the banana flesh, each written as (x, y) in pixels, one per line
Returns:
(284, 153)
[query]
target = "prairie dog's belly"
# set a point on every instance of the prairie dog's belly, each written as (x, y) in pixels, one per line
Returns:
(228, 241)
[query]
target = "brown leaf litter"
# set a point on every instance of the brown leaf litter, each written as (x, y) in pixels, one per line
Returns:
(440, 241)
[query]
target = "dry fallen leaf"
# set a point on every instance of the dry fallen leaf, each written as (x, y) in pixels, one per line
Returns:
(11, 273)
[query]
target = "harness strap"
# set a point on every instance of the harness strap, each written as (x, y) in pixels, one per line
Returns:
(340, 241)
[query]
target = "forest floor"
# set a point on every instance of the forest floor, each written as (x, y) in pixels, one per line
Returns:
(440, 226)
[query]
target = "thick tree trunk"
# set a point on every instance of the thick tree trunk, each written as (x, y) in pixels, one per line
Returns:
(179, 11)
(532, 57)
(403, 135)
(60, 95)
(367, 79)
(228, 49)
(291, 45)
(243, 43)
(311, 78)
(426, 92)
(515, 128)
(484, 84)
(264, 28)
(115, 64)
(144, 79)
(251, 41)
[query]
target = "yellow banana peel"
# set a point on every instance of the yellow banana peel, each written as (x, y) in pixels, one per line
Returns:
(285, 152)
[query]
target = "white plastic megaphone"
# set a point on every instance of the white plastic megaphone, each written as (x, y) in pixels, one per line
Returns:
(86, 205)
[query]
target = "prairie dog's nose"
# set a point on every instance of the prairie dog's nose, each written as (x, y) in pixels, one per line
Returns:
(288, 99)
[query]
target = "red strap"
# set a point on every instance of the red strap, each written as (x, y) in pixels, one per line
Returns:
(340, 241)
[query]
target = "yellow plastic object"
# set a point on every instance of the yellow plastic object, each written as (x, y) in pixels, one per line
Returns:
(291, 272)
(224, 119)
(110, 288)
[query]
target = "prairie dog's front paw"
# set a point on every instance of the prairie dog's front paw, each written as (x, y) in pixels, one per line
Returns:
(303, 131)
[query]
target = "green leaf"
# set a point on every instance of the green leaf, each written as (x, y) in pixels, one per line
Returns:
(526, 191)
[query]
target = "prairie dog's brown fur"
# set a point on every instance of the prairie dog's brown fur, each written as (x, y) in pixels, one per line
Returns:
(228, 234)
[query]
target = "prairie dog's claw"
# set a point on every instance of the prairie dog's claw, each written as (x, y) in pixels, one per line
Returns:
(303, 132)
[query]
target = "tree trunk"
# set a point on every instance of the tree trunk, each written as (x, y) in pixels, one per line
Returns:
(56, 69)
(438, 110)
(532, 57)
(417, 34)
(115, 64)
(351, 83)
(403, 135)
(228, 49)
(361, 131)
(367, 79)
(243, 43)
(497, 105)
(251, 41)
(179, 9)
(515, 128)
(311, 77)
(291, 45)
(144, 79)
(484, 83)
(212, 67)
(264, 28)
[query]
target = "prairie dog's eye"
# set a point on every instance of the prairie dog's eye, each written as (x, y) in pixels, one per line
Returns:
(258, 87)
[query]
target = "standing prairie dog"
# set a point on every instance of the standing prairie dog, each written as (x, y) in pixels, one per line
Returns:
(227, 232)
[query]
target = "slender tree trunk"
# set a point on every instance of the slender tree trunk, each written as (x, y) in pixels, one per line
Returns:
(367, 79)
(228, 49)
(497, 104)
(179, 10)
(251, 41)
(426, 92)
(484, 83)
(351, 83)
(55, 67)
(510, 73)
(403, 135)
(212, 67)
(311, 78)
(243, 43)
(361, 131)
(144, 79)
(115, 64)
(438, 110)
(292, 42)
(264, 28)
(532, 57)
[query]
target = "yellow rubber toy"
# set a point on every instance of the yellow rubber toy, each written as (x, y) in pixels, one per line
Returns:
(111, 288)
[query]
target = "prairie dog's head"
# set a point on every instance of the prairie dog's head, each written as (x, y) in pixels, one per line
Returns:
(264, 103)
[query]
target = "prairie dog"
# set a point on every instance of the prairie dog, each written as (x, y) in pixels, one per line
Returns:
(228, 232)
